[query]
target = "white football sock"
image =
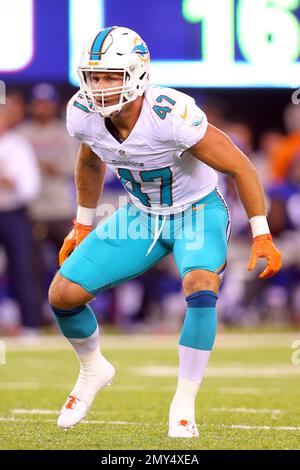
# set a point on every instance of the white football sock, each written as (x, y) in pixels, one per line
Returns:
(95, 370)
(192, 363)
(183, 403)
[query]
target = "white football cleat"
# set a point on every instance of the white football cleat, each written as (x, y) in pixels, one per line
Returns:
(183, 428)
(75, 409)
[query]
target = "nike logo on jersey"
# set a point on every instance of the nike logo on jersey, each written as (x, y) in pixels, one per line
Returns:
(184, 115)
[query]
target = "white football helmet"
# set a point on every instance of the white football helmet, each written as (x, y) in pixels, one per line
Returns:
(114, 49)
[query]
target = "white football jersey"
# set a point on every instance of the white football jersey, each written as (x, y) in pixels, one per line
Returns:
(153, 163)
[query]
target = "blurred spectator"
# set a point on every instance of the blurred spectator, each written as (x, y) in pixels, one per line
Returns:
(241, 135)
(285, 201)
(215, 110)
(289, 147)
(284, 218)
(15, 107)
(268, 144)
(19, 185)
(53, 210)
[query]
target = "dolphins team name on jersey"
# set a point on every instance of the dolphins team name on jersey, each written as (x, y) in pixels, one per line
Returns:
(153, 163)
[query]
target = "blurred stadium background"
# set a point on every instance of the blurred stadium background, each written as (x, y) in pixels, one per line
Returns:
(240, 59)
(242, 66)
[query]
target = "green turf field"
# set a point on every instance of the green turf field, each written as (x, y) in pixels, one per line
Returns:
(250, 398)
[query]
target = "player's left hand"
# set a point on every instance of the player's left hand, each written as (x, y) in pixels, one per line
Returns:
(263, 247)
(75, 237)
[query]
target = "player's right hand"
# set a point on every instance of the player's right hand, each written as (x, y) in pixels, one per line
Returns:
(263, 247)
(77, 234)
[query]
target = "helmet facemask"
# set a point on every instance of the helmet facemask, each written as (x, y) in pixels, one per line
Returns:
(133, 85)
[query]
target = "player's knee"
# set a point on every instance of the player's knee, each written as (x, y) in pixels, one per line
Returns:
(197, 280)
(66, 294)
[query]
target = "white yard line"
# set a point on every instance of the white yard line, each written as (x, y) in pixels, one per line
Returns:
(37, 411)
(26, 420)
(34, 411)
(247, 391)
(19, 386)
(234, 370)
(267, 428)
(66, 387)
(129, 423)
(247, 410)
(33, 386)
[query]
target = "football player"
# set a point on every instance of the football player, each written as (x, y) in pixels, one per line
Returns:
(165, 153)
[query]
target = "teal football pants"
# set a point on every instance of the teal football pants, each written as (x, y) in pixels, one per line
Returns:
(132, 241)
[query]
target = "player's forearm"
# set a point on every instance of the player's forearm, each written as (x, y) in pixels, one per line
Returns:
(89, 178)
(250, 190)
(89, 185)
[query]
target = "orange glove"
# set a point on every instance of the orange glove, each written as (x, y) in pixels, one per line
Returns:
(77, 234)
(263, 247)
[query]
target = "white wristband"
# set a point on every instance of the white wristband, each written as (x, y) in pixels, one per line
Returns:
(259, 225)
(85, 215)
